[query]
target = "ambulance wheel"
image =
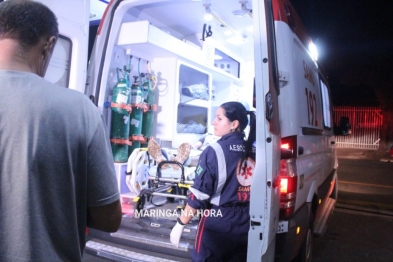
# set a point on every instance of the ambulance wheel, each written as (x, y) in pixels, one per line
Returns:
(305, 252)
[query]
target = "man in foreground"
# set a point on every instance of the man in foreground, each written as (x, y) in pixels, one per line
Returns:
(57, 174)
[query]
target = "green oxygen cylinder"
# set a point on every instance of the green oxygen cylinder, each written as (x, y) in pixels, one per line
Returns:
(136, 118)
(148, 115)
(120, 120)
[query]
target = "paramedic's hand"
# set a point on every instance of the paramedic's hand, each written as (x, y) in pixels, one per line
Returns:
(176, 232)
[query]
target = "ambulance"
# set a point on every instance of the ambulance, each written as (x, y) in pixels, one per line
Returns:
(158, 70)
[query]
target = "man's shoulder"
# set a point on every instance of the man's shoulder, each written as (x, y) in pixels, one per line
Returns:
(62, 97)
(63, 93)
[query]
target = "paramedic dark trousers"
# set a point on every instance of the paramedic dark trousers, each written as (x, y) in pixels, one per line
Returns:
(223, 236)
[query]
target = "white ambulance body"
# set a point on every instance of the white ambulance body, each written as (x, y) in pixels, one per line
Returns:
(249, 48)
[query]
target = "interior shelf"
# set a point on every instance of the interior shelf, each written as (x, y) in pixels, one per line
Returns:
(151, 42)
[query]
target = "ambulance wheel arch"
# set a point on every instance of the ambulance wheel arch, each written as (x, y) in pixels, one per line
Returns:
(312, 192)
(68, 64)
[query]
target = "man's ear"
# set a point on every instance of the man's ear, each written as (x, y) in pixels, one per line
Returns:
(49, 46)
(47, 50)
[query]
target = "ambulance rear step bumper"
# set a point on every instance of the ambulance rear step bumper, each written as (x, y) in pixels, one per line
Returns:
(121, 253)
(144, 236)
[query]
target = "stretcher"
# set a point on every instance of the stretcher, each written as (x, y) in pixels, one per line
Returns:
(147, 180)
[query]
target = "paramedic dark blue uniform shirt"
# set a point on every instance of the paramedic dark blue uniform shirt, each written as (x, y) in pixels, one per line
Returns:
(223, 186)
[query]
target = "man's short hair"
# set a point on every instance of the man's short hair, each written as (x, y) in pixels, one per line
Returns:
(26, 21)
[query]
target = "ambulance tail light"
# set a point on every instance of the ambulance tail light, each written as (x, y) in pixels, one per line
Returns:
(288, 147)
(288, 188)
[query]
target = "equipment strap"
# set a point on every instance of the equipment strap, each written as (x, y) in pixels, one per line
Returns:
(138, 105)
(139, 138)
(119, 141)
(183, 185)
(145, 107)
(126, 107)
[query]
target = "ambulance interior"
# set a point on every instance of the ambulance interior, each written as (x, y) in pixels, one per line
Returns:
(200, 54)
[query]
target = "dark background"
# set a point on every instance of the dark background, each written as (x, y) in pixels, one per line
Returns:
(355, 43)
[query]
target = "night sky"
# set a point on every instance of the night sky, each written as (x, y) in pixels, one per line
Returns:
(355, 42)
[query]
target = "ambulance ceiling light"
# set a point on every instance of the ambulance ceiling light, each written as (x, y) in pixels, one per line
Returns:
(243, 10)
(208, 15)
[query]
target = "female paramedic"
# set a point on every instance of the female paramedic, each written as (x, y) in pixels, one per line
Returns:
(222, 186)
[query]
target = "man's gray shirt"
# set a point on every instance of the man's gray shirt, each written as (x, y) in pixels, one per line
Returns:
(55, 162)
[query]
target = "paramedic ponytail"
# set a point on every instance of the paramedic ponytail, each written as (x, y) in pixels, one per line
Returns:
(251, 138)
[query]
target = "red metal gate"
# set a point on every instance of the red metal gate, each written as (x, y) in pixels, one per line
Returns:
(366, 125)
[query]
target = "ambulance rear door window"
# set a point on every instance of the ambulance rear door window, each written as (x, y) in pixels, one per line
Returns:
(326, 106)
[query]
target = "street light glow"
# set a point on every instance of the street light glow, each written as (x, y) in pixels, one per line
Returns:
(313, 51)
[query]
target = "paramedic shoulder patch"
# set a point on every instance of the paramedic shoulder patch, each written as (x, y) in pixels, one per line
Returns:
(199, 170)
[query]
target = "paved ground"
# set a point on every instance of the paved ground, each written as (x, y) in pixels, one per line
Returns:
(356, 236)
(354, 153)
(356, 233)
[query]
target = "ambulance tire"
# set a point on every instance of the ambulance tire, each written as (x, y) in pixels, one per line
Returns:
(305, 251)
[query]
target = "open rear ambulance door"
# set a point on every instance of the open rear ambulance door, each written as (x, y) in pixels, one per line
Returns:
(96, 80)
(68, 64)
(264, 208)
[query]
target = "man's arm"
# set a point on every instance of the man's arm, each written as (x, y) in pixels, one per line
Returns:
(105, 218)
